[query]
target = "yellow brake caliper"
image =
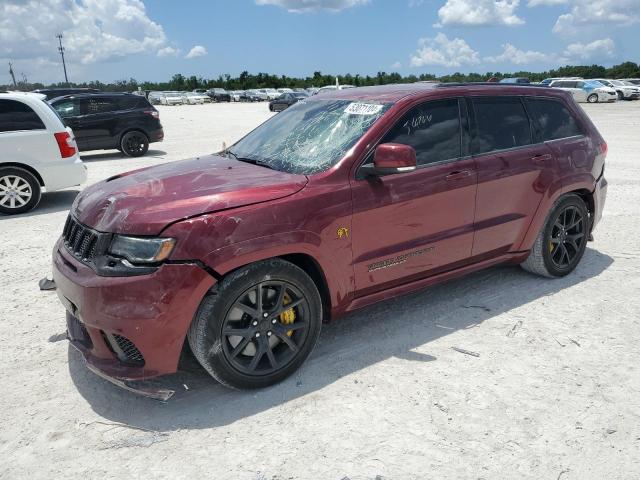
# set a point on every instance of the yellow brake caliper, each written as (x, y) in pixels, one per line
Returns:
(288, 316)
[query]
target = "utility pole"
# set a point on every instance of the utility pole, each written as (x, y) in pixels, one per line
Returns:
(12, 75)
(61, 50)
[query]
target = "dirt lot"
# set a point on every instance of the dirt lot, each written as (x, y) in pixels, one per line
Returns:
(554, 392)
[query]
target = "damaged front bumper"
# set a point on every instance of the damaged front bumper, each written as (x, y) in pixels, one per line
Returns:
(129, 329)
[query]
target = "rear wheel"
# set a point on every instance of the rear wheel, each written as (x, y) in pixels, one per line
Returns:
(620, 95)
(593, 98)
(259, 326)
(134, 144)
(562, 241)
(19, 190)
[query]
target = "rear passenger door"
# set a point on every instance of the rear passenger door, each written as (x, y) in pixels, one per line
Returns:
(99, 121)
(556, 125)
(515, 170)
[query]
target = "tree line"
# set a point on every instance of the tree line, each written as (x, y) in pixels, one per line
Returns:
(248, 80)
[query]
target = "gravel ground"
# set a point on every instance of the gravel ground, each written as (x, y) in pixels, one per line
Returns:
(554, 392)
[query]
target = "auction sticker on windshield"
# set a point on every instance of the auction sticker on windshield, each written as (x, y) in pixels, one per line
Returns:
(363, 108)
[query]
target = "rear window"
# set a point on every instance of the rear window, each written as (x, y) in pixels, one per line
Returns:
(553, 119)
(502, 123)
(16, 116)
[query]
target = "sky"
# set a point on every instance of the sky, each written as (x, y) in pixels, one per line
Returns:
(111, 40)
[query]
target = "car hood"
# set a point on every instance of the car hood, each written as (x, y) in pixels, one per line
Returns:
(145, 201)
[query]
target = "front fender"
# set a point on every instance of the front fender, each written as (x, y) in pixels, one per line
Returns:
(234, 256)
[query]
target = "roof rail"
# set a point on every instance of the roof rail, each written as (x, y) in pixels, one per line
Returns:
(488, 84)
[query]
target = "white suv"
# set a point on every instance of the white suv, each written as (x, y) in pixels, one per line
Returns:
(37, 152)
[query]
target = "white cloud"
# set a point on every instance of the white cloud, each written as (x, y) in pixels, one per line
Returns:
(196, 51)
(396, 65)
(479, 12)
(94, 30)
(515, 56)
(537, 3)
(598, 12)
(440, 51)
(299, 6)
(604, 48)
(168, 52)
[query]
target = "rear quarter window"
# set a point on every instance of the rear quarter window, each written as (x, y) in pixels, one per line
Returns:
(552, 119)
(501, 123)
(16, 116)
(131, 103)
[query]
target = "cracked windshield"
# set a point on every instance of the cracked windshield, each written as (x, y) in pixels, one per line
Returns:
(309, 137)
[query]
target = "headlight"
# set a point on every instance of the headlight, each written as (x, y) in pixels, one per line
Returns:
(142, 249)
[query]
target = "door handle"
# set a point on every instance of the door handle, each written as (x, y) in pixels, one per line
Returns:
(458, 175)
(541, 159)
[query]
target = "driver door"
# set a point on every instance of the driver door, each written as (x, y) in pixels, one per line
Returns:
(411, 225)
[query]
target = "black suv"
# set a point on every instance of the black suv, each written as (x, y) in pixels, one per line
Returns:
(218, 95)
(59, 92)
(111, 120)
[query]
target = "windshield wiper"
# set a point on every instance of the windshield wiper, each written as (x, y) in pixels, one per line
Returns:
(252, 161)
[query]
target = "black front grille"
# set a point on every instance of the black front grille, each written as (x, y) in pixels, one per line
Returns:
(127, 351)
(83, 242)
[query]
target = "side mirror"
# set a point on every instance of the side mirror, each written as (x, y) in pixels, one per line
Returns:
(391, 158)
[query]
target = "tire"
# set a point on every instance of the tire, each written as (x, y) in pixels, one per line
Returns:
(19, 191)
(620, 95)
(233, 308)
(557, 251)
(134, 144)
(593, 98)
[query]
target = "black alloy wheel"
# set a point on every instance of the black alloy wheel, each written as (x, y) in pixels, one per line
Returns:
(568, 234)
(562, 240)
(258, 325)
(134, 144)
(265, 328)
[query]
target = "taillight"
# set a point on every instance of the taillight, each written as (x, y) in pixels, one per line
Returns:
(153, 113)
(66, 144)
(604, 148)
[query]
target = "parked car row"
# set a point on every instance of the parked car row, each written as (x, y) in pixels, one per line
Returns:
(589, 90)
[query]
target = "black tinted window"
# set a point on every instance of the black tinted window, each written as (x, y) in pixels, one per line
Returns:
(501, 123)
(553, 119)
(129, 103)
(67, 108)
(99, 105)
(432, 129)
(16, 116)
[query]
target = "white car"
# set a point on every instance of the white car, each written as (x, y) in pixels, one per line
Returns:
(624, 91)
(37, 152)
(166, 98)
(285, 90)
(191, 98)
(589, 91)
(236, 95)
(271, 93)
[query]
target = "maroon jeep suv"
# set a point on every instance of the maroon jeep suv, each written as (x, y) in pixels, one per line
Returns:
(342, 200)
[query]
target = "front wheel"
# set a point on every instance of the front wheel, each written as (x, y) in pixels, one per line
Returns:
(593, 98)
(19, 190)
(134, 144)
(562, 241)
(258, 326)
(620, 95)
